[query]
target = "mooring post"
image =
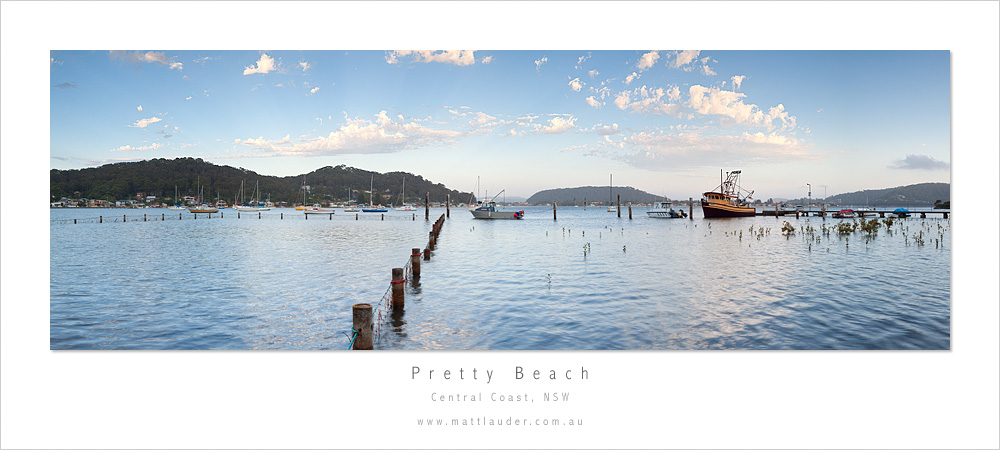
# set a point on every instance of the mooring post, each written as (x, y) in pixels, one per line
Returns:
(796, 214)
(945, 216)
(74, 221)
(630, 211)
(143, 217)
(355, 216)
(180, 216)
(923, 215)
(427, 254)
(397, 287)
(690, 208)
(415, 263)
(237, 215)
(430, 241)
(330, 216)
(427, 206)
(554, 211)
(447, 205)
(362, 326)
(282, 216)
(222, 215)
(306, 216)
(258, 214)
(619, 207)
(163, 216)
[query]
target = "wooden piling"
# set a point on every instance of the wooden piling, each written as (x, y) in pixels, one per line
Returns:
(123, 218)
(414, 217)
(143, 217)
(362, 326)
(629, 211)
(237, 215)
(163, 216)
(282, 216)
(180, 216)
(415, 263)
(397, 287)
(945, 216)
(330, 216)
(796, 214)
(619, 207)
(427, 254)
(923, 215)
(355, 216)
(554, 211)
(882, 215)
(74, 221)
(383, 216)
(258, 214)
(690, 208)
(307, 216)
(100, 219)
(427, 206)
(447, 205)
(430, 241)
(222, 215)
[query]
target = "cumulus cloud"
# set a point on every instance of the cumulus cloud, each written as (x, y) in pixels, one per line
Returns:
(580, 60)
(143, 123)
(139, 108)
(594, 102)
(575, 84)
(559, 125)
(684, 58)
(129, 148)
(304, 65)
(919, 162)
(540, 62)
(357, 136)
(188, 98)
(606, 130)
(593, 73)
(629, 79)
(487, 59)
(648, 100)
(647, 60)
(729, 104)
(738, 81)
(456, 57)
(313, 90)
(146, 57)
(264, 65)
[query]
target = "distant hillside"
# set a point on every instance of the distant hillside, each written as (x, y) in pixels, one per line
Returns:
(923, 194)
(159, 177)
(590, 194)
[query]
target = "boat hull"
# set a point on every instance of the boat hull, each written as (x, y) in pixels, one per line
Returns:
(716, 210)
(317, 211)
(497, 214)
(664, 214)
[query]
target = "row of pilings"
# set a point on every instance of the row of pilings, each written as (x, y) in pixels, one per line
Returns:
(366, 324)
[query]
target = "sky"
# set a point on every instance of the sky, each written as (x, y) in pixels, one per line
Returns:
(664, 121)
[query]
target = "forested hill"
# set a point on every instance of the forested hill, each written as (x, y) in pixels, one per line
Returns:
(590, 194)
(913, 195)
(159, 177)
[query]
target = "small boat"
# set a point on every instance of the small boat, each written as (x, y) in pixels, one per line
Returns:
(665, 210)
(402, 200)
(845, 214)
(726, 201)
(488, 210)
(177, 206)
(372, 207)
(203, 208)
(317, 209)
(901, 212)
(864, 211)
(254, 205)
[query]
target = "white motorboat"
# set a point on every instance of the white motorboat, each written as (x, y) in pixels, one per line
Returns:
(665, 210)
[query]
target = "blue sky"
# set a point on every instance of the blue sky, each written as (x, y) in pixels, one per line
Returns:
(664, 121)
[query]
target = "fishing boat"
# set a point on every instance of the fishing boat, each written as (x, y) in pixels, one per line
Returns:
(402, 199)
(665, 210)
(372, 207)
(611, 197)
(489, 210)
(845, 214)
(728, 200)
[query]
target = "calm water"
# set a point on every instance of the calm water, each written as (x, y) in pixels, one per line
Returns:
(586, 281)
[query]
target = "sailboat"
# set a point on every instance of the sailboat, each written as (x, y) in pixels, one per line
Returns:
(402, 199)
(352, 205)
(177, 205)
(611, 197)
(372, 207)
(254, 205)
(303, 205)
(202, 207)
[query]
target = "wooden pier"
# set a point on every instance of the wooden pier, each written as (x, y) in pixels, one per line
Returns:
(922, 213)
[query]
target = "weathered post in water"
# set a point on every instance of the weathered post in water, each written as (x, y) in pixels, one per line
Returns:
(554, 210)
(619, 207)
(362, 326)
(690, 208)
(415, 263)
(427, 206)
(397, 287)
(630, 211)
(427, 254)
(447, 206)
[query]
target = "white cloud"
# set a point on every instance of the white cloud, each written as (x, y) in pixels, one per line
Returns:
(314, 90)
(146, 57)
(583, 58)
(358, 136)
(685, 57)
(593, 73)
(660, 150)
(594, 102)
(304, 65)
(629, 79)
(540, 62)
(647, 100)
(647, 60)
(738, 81)
(143, 123)
(188, 98)
(729, 104)
(456, 57)
(129, 148)
(139, 108)
(558, 125)
(605, 130)
(575, 84)
(487, 59)
(264, 65)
